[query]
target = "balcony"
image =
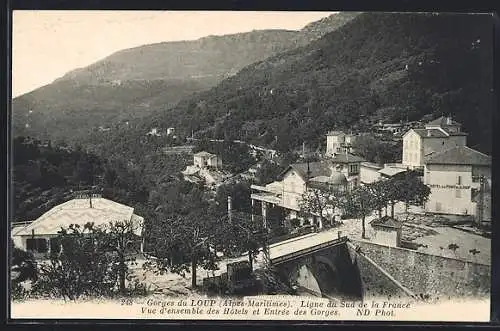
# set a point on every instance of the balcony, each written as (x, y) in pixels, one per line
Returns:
(267, 197)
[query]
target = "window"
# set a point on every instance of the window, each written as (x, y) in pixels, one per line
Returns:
(37, 245)
(31, 244)
(459, 180)
(438, 206)
(458, 193)
(55, 245)
(353, 169)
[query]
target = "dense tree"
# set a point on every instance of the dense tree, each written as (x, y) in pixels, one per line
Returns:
(374, 150)
(412, 190)
(91, 260)
(358, 203)
(268, 172)
(182, 243)
(380, 191)
(23, 266)
(240, 197)
(182, 230)
(321, 203)
(241, 234)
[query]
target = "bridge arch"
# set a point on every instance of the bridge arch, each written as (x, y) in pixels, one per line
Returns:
(318, 275)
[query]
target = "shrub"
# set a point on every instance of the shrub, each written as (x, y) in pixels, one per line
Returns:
(93, 261)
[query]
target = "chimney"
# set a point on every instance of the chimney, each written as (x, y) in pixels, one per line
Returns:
(448, 120)
(229, 208)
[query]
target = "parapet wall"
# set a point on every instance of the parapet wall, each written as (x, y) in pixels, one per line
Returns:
(427, 275)
(376, 283)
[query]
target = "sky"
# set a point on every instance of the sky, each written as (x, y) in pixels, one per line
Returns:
(48, 44)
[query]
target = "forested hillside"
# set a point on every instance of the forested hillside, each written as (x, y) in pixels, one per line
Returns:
(46, 175)
(377, 66)
(134, 82)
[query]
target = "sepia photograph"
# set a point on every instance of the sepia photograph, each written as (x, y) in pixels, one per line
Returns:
(251, 165)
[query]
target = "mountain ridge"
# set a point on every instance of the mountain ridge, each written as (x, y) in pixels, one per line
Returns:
(414, 64)
(119, 86)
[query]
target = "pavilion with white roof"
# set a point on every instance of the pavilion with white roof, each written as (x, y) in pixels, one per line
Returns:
(38, 235)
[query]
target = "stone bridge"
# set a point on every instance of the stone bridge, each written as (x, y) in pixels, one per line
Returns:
(336, 269)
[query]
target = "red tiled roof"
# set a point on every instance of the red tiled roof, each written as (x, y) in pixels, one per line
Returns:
(460, 155)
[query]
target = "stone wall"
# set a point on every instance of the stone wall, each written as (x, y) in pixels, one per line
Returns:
(353, 274)
(432, 276)
(375, 282)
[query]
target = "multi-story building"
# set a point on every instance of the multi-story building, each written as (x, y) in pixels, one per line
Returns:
(460, 182)
(336, 174)
(338, 142)
(206, 160)
(437, 136)
(206, 168)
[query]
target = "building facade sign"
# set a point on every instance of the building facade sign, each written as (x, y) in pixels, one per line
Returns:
(463, 187)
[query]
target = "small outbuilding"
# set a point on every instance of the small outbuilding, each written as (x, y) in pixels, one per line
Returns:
(387, 231)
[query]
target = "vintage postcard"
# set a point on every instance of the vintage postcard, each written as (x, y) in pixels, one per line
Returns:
(231, 165)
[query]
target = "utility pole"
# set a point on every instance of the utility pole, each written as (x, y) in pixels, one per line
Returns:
(481, 201)
(229, 209)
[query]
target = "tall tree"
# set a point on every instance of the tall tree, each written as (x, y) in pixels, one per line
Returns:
(240, 234)
(181, 243)
(268, 172)
(91, 260)
(240, 196)
(380, 193)
(358, 203)
(320, 203)
(411, 189)
(183, 230)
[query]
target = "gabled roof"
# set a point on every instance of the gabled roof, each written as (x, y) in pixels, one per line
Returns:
(347, 158)
(335, 133)
(315, 169)
(443, 122)
(391, 171)
(204, 154)
(386, 222)
(321, 168)
(430, 133)
(336, 178)
(457, 133)
(371, 165)
(78, 211)
(460, 155)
